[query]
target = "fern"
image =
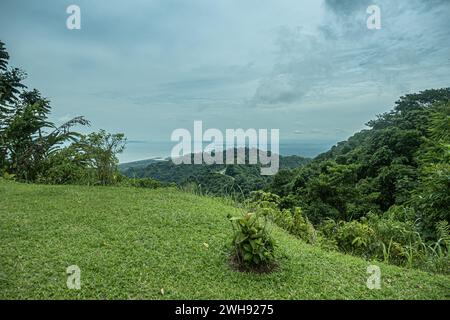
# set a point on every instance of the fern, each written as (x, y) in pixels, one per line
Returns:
(443, 243)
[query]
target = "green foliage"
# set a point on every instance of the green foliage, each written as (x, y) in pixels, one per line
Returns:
(291, 220)
(432, 197)
(281, 183)
(130, 243)
(302, 228)
(34, 149)
(260, 197)
(386, 187)
(391, 238)
(382, 194)
(236, 181)
(354, 237)
(27, 137)
(266, 204)
(440, 261)
(69, 165)
(443, 232)
(252, 243)
(396, 162)
(101, 149)
(282, 218)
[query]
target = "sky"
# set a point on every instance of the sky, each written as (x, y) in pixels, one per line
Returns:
(310, 68)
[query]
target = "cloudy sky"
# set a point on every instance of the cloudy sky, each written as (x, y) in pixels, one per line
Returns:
(310, 68)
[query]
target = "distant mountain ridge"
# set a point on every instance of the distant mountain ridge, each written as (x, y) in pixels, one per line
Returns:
(218, 179)
(139, 163)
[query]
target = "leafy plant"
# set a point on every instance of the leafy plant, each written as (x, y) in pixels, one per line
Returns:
(282, 218)
(302, 228)
(354, 237)
(253, 246)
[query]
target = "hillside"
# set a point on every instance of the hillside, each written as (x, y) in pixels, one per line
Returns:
(384, 193)
(130, 243)
(403, 159)
(137, 164)
(217, 179)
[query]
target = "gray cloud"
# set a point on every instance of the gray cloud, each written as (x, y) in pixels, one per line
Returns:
(344, 56)
(347, 7)
(147, 67)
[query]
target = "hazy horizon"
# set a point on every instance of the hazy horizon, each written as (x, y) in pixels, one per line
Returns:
(144, 150)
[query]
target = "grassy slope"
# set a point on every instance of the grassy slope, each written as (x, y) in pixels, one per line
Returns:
(130, 243)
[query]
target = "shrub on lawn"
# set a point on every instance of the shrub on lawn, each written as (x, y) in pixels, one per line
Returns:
(252, 245)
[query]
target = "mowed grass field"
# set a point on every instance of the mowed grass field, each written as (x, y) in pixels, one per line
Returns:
(130, 243)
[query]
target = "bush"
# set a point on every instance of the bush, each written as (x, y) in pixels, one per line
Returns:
(437, 258)
(396, 239)
(253, 246)
(282, 218)
(354, 237)
(292, 221)
(259, 196)
(66, 166)
(266, 204)
(393, 237)
(302, 228)
(289, 201)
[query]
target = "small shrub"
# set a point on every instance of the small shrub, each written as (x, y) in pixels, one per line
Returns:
(326, 243)
(395, 241)
(329, 228)
(282, 218)
(7, 176)
(302, 228)
(266, 204)
(289, 201)
(354, 237)
(147, 183)
(438, 258)
(256, 197)
(253, 246)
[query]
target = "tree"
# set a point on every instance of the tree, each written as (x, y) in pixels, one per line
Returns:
(431, 199)
(27, 137)
(101, 148)
(10, 86)
(403, 160)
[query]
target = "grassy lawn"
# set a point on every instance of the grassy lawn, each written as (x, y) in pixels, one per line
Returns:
(130, 243)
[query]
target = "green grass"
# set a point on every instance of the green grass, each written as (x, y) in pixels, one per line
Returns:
(130, 243)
